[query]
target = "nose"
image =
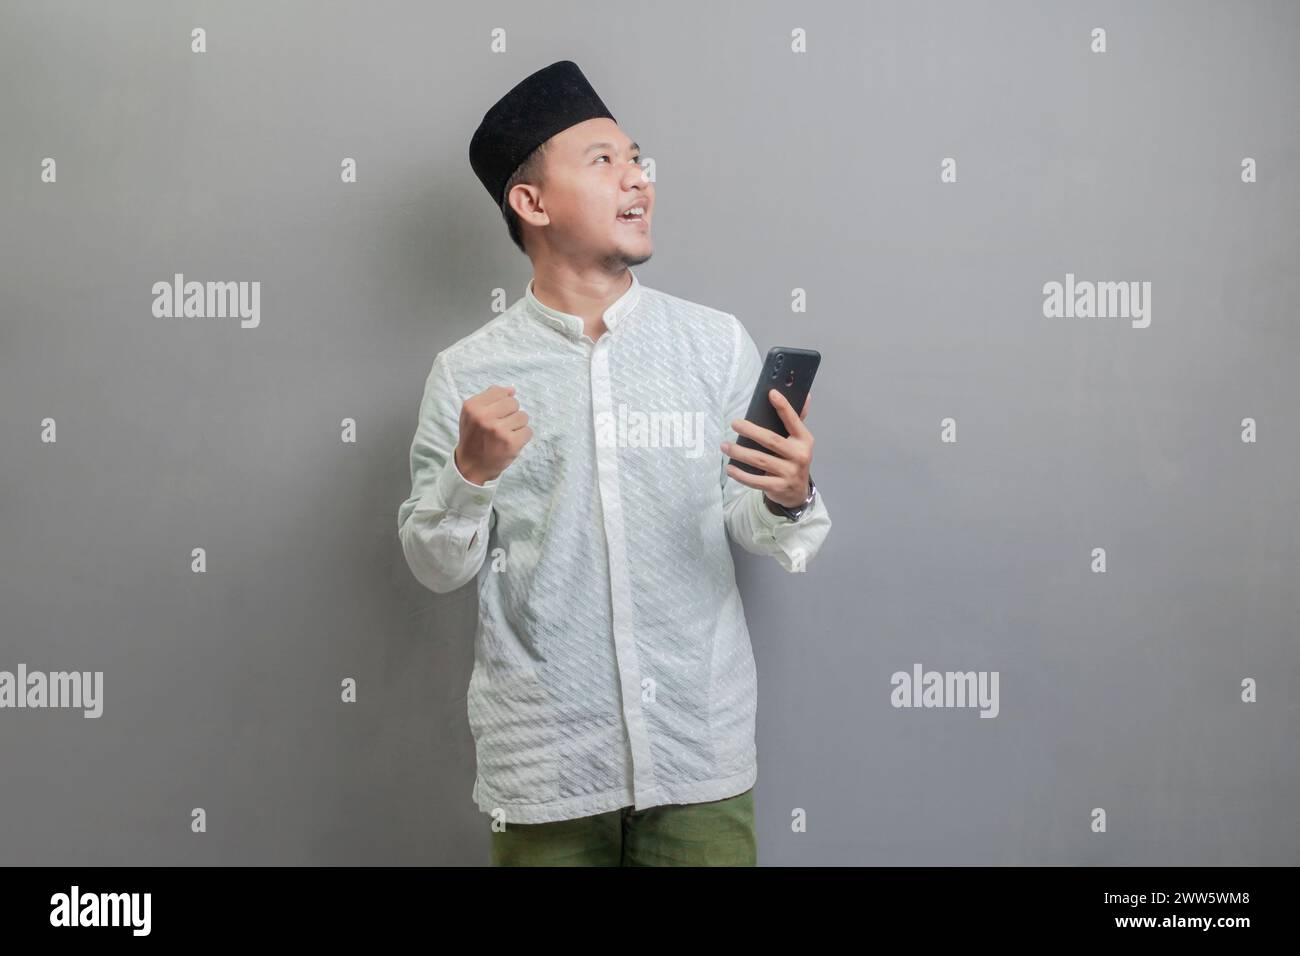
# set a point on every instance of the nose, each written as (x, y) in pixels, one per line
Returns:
(636, 176)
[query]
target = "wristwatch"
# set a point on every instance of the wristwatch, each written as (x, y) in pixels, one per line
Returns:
(793, 513)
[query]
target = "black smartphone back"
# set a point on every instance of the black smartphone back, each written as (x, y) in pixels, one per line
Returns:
(790, 371)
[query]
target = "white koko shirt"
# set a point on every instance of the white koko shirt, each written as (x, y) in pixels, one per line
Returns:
(612, 661)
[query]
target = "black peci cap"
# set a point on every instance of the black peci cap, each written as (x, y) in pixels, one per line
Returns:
(539, 106)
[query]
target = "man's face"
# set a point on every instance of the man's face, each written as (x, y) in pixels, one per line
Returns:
(593, 174)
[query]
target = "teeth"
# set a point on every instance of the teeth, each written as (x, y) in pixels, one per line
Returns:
(635, 211)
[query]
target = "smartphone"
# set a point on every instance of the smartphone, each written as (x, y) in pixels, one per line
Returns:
(790, 371)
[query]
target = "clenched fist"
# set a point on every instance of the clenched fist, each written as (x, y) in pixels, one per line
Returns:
(493, 430)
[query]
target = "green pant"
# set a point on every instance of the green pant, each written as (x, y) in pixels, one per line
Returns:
(715, 833)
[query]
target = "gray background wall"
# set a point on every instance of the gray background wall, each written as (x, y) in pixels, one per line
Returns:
(775, 171)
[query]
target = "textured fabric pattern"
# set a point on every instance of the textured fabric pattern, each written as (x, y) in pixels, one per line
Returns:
(612, 660)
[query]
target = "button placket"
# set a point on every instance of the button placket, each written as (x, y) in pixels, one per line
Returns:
(620, 584)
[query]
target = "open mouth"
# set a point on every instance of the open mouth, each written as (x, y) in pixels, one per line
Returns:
(635, 214)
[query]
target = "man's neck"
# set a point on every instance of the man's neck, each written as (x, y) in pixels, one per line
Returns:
(586, 295)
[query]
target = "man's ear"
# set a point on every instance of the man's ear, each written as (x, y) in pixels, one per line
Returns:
(525, 199)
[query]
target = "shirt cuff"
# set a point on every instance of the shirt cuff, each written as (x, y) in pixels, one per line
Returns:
(457, 493)
(766, 520)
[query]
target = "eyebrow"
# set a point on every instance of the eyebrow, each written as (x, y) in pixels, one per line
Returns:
(634, 148)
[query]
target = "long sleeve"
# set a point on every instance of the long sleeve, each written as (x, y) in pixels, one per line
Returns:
(748, 521)
(445, 522)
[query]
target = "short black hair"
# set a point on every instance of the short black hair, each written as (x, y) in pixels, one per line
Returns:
(529, 171)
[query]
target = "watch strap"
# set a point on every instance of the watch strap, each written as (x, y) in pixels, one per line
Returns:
(794, 514)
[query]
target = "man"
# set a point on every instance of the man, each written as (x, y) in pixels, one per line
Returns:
(572, 455)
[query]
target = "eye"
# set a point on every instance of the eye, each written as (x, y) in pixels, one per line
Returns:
(603, 156)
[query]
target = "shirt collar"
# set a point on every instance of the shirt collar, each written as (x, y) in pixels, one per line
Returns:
(572, 325)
